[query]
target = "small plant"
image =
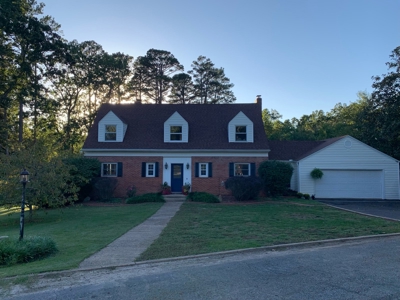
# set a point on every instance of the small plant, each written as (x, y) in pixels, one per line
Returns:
(306, 196)
(316, 173)
(186, 188)
(299, 195)
(202, 197)
(149, 197)
(244, 188)
(165, 189)
(29, 249)
(131, 192)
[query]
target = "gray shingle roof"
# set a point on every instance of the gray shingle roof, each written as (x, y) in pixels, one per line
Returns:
(297, 150)
(208, 126)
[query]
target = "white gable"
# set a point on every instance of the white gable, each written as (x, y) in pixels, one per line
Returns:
(240, 120)
(111, 119)
(176, 120)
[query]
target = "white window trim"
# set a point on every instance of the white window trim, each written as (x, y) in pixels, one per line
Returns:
(200, 164)
(171, 133)
(105, 132)
(102, 169)
(241, 133)
(234, 169)
(147, 169)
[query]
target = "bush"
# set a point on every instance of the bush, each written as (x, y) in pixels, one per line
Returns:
(299, 195)
(149, 197)
(306, 196)
(275, 176)
(244, 188)
(316, 173)
(104, 188)
(131, 192)
(82, 172)
(202, 197)
(29, 249)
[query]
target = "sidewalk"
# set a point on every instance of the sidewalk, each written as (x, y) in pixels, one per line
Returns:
(129, 246)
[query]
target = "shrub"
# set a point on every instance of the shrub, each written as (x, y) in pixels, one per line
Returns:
(82, 173)
(244, 188)
(202, 197)
(275, 176)
(149, 197)
(131, 192)
(306, 196)
(29, 249)
(299, 195)
(104, 188)
(316, 173)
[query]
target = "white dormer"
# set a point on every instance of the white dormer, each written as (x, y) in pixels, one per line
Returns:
(111, 128)
(176, 129)
(240, 129)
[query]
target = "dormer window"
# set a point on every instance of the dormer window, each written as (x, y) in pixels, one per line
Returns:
(110, 133)
(240, 134)
(176, 133)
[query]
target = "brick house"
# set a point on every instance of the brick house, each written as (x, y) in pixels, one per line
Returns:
(146, 145)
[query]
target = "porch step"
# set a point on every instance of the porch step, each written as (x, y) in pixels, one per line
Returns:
(175, 198)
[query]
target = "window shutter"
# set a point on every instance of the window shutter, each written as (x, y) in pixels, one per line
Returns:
(143, 169)
(252, 169)
(209, 169)
(196, 170)
(119, 167)
(231, 170)
(156, 169)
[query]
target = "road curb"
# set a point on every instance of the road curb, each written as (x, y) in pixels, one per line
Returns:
(282, 247)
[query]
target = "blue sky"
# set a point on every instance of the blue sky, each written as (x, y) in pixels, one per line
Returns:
(300, 55)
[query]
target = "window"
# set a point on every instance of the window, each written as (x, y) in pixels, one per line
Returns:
(203, 169)
(109, 170)
(242, 169)
(176, 133)
(240, 134)
(110, 133)
(150, 170)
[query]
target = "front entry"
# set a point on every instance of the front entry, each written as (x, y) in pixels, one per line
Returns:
(176, 177)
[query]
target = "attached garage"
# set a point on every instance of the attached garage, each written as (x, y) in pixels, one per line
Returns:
(351, 169)
(365, 184)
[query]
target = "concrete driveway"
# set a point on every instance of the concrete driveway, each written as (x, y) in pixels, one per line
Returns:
(381, 208)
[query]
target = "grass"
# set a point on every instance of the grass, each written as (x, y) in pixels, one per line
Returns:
(203, 228)
(79, 231)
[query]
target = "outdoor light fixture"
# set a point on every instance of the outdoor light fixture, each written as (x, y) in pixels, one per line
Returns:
(24, 178)
(187, 166)
(166, 166)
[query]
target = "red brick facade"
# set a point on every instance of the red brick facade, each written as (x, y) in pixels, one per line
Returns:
(132, 173)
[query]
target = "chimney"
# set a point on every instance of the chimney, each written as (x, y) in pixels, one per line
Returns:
(259, 100)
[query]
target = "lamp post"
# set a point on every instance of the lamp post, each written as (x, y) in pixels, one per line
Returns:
(24, 178)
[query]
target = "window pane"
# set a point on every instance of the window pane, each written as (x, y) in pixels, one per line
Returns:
(241, 137)
(203, 169)
(176, 129)
(177, 171)
(176, 137)
(241, 129)
(242, 169)
(111, 133)
(150, 170)
(109, 169)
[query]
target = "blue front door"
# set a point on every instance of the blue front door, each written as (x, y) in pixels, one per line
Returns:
(176, 177)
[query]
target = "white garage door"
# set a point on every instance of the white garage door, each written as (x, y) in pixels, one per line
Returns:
(349, 184)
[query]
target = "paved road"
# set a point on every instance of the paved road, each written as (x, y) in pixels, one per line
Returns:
(357, 270)
(387, 209)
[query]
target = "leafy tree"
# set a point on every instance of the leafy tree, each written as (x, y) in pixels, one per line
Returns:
(158, 65)
(210, 84)
(50, 183)
(182, 89)
(381, 116)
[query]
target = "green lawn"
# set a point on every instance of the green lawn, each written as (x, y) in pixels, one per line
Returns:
(78, 231)
(203, 228)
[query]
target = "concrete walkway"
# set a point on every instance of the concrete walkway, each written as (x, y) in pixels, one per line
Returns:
(129, 246)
